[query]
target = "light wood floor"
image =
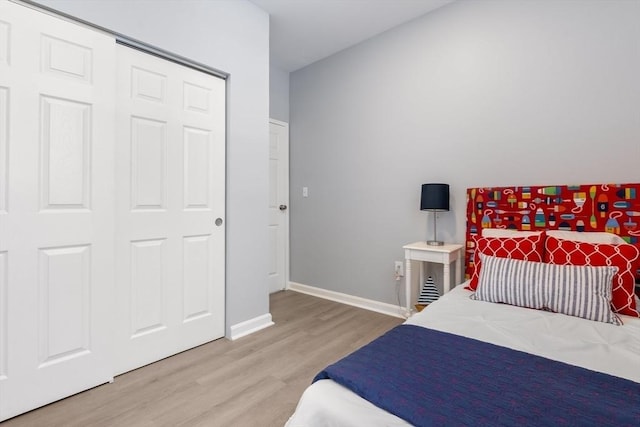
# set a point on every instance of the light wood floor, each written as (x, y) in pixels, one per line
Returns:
(254, 381)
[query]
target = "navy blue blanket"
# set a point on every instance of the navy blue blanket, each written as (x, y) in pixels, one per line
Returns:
(432, 378)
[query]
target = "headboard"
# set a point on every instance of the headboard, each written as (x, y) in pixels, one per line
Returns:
(614, 208)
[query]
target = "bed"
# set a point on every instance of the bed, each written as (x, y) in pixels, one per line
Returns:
(471, 340)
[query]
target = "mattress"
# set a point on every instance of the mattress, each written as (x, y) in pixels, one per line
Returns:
(601, 347)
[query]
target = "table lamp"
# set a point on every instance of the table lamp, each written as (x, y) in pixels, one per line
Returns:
(435, 198)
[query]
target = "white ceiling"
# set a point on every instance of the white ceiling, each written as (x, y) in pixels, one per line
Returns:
(305, 31)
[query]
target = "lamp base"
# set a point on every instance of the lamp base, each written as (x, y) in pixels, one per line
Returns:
(435, 243)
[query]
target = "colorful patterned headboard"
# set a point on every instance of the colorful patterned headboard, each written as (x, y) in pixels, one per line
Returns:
(593, 207)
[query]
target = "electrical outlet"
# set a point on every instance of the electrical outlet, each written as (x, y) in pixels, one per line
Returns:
(399, 268)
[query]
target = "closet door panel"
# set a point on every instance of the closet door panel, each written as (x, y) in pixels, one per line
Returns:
(148, 309)
(3, 317)
(148, 164)
(198, 268)
(64, 289)
(57, 97)
(170, 188)
(4, 137)
(65, 150)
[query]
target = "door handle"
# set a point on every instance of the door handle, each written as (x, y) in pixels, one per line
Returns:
(283, 207)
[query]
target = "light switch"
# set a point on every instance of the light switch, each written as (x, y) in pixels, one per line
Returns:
(305, 191)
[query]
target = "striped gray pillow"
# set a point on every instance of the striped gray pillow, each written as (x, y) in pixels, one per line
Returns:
(577, 290)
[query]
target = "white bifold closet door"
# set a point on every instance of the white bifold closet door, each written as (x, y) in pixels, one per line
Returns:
(170, 179)
(57, 84)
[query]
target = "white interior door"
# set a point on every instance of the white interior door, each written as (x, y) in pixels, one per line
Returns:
(170, 186)
(278, 205)
(56, 208)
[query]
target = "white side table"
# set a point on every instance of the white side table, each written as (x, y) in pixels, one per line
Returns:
(445, 255)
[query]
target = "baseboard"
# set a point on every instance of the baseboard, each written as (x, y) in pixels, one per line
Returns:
(250, 326)
(367, 304)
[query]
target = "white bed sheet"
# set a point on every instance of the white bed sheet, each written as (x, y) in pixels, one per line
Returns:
(602, 347)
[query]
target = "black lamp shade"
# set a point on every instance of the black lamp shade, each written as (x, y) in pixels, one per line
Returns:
(435, 197)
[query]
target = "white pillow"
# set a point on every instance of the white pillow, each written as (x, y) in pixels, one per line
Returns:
(587, 237)
(507, 232)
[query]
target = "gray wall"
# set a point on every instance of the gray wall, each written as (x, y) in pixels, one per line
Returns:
(278, 93)
(232, 36)
(477, 93)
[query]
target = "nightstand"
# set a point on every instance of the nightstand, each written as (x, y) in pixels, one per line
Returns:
(446, 255)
